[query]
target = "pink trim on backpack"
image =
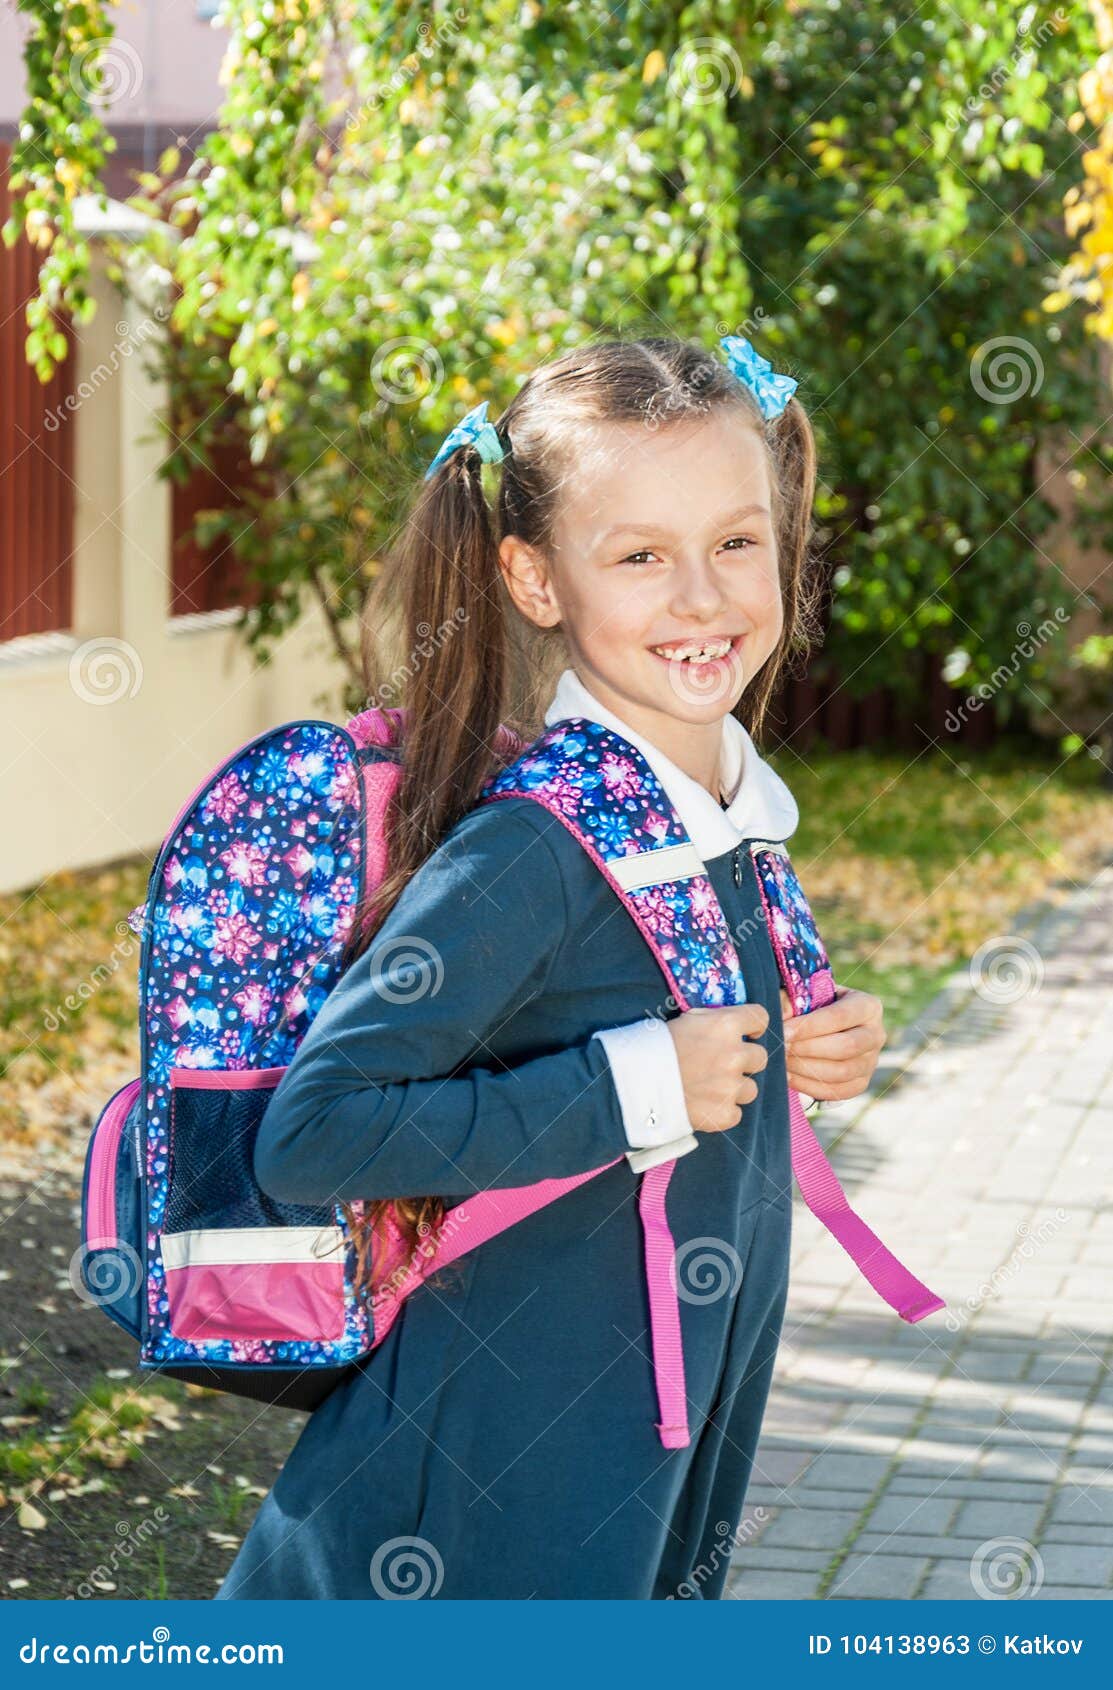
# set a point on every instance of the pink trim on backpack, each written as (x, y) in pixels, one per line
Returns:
(275, 1301)
(100, 1221)
(224, 1079)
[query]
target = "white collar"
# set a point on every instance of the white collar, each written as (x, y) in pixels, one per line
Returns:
(761, 806)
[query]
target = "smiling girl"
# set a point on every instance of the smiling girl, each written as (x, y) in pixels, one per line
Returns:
(650, 533)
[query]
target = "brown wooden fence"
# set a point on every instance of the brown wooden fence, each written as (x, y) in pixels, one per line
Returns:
(36, 459)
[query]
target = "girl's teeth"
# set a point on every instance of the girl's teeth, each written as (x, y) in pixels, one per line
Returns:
(718, 648)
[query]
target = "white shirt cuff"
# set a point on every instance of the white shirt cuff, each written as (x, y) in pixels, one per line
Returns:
(646, 1071)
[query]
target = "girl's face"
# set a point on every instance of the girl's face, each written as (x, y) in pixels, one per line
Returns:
(663, 576)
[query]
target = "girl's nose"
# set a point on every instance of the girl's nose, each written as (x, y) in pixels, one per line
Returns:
(698, 590)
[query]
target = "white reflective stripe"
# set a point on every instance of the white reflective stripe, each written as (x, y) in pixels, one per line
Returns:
(652, 868)
(218, 1246)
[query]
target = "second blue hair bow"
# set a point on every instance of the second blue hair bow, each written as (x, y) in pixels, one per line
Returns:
(771, 391)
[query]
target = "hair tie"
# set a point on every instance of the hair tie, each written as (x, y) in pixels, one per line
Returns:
(771, 391)
(472, 430)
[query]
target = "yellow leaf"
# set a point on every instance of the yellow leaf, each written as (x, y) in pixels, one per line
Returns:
(653, 66)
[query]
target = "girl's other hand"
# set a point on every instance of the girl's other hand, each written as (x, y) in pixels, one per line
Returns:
(831, 1053)
(717, 1058)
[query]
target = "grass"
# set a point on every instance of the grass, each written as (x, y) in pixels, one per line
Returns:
(913, 862)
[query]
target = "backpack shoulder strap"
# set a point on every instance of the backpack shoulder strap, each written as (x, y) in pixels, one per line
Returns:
(604, 792)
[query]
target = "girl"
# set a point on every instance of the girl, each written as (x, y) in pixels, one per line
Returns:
(496, 1025)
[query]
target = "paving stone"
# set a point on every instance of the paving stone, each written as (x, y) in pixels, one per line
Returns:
(1075, 1563)
(998, 1519)
(879, 1577)
(948, 1580)
(1057, 1531)
(817, 1501)
(915, 1513)
(947, 1548)
(804, 1528)
(843, 1470)
(753, 1586)
(781, 1466)
(775, 1559)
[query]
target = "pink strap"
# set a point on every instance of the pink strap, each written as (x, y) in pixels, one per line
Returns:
(468, 1225)
(664, 1310)
(488, 1213)
(825, 1197)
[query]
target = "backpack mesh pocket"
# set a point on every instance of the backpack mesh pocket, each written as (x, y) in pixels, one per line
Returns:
(238, 1264)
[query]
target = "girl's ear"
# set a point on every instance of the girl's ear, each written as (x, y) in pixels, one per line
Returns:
(528, 581)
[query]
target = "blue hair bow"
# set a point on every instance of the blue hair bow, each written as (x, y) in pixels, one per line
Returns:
(771, 391)
(473, 430)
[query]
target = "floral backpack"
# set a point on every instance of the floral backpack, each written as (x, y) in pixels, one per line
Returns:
(249, 903)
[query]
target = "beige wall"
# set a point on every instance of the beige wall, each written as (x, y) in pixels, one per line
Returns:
(161, 66)
(104, 732)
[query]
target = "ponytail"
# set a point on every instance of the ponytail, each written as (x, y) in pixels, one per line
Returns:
(791, 446)
(444, 577)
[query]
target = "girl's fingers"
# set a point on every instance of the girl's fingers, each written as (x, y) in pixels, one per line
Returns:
(838, 1047)
(828, 1072)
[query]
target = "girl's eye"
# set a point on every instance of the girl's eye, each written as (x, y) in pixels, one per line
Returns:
(738, 541)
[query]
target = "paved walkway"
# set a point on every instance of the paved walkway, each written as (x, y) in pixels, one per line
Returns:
(971, 1455)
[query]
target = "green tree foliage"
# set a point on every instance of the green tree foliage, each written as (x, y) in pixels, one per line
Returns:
(403, 208)
(904, 170)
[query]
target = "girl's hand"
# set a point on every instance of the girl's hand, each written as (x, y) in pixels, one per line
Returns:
(831, 1053)
(717, 1059)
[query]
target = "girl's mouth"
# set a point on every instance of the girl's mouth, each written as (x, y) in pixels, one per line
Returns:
(708, 654)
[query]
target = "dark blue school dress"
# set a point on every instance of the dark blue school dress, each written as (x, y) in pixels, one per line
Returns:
(501, 1441)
